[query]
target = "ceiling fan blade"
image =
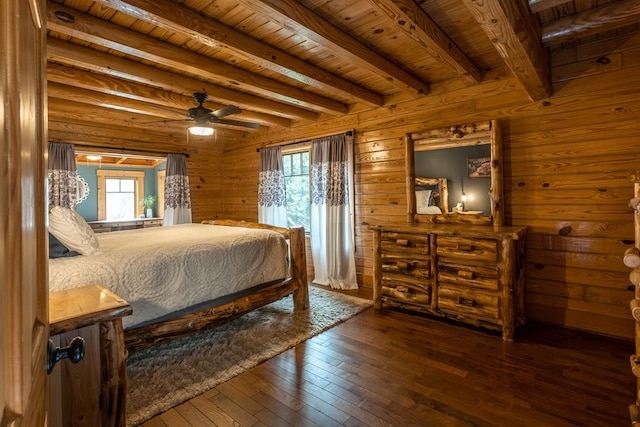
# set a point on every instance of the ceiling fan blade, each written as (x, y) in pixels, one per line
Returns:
(227, 110)
(235, 123)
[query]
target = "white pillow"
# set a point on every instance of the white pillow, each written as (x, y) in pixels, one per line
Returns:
(423, 198)
(72, 230)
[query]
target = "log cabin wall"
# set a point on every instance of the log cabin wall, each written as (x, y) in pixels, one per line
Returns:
(567, 162)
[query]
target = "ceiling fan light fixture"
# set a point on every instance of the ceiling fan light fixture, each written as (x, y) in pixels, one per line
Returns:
(201, 130)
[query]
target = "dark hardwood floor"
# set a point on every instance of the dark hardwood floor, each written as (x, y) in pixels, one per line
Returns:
(393, 368)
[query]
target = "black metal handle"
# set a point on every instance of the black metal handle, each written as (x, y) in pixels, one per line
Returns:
(75, 352)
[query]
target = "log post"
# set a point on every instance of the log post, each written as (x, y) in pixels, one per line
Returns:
(114, 373)
(410, 184)
(377, 269)
(497, 180)
(507, 275)
(433, 269)
(299, 268)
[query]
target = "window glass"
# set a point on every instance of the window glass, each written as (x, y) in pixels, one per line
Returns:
(286, 160)
(113, 185)
(120, 199)
(296, 172)
(127, 185)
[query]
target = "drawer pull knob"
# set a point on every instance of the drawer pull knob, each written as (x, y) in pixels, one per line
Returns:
(402, 265)
(466, 302)
(402, 242)
(75, 352)
(466, 274)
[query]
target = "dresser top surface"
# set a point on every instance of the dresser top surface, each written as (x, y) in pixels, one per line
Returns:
(514, 232)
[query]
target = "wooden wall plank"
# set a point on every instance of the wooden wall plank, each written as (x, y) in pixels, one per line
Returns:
(579, 143)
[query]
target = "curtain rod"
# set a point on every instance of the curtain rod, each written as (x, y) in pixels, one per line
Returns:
(125, 150)
(348, 133)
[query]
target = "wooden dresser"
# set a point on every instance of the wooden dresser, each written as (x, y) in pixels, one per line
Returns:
(470, 273)
(105, 226)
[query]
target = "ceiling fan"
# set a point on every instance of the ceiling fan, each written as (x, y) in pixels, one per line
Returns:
(203, 116)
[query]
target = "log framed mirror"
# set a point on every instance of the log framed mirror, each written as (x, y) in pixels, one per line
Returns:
(454, 174)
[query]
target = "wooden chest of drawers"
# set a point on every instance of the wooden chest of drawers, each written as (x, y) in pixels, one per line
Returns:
(474, 274)
(107, 226)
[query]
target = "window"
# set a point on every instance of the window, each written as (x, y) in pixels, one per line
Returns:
(121, 198)
(297, 181)
(120, 194)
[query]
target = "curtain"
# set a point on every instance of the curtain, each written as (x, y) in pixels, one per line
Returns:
(177, 196)
(332, 233)
(62, 176)
(272, 201)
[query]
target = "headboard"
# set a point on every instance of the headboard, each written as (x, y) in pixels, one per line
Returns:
(431, 193)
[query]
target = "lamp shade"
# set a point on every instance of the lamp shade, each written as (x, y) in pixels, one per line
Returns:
(201, 130)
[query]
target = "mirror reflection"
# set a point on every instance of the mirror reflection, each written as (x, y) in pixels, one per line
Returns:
(455, 170)
(467, 171)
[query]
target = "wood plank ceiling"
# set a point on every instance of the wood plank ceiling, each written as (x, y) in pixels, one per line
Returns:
(125, 68)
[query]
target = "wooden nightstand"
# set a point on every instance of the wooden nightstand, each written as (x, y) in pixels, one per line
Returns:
(93, 391)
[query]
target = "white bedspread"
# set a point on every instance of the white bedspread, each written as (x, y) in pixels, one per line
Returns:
(164, 269)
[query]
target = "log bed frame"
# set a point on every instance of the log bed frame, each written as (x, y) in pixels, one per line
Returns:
(138, 338)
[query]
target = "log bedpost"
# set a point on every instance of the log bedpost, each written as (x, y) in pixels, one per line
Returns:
(299, 268)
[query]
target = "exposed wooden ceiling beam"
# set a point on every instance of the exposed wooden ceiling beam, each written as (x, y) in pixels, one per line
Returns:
(415, 23)
(117, 76)
(515, 34)
(106, 134)
(592, 21)
(91, 99)
(105, 100)
(64, 83)
(91, 29)
(537, 6)
(72, 110)
(122, 141)
(183, 21)
(293, 15)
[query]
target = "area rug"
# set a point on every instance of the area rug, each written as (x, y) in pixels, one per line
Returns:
(164, 376)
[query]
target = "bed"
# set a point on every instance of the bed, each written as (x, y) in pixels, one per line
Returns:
(190, 277)
(431, 195)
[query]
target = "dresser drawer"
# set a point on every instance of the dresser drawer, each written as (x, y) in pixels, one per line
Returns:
(400, 280)
(480, 251)
(417, 266)
(467, 275)
(404, 243)
(405, 289)
(478, 304)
